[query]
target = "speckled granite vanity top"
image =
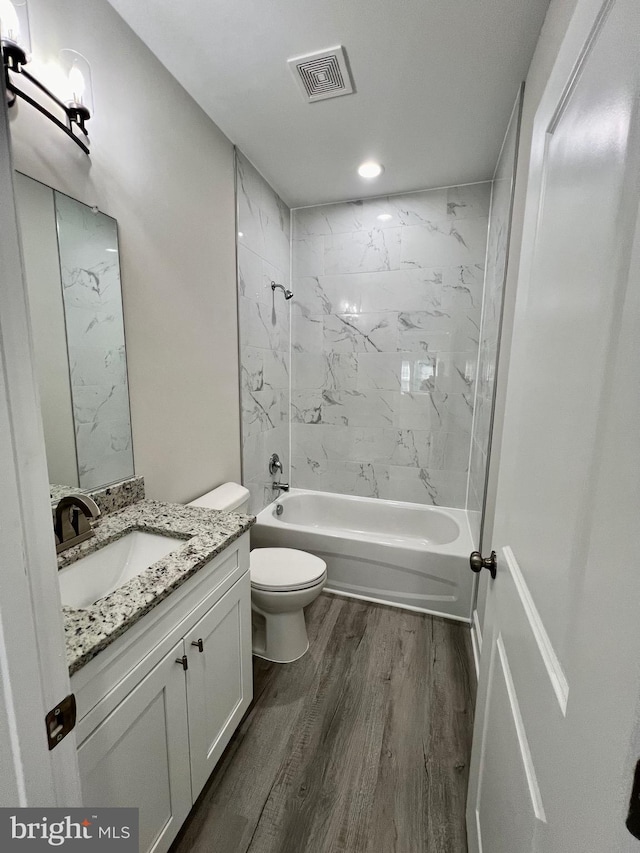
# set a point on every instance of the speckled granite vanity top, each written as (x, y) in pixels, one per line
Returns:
(206, 533)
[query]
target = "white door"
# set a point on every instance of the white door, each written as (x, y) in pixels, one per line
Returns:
(138, 756)
(558, 701)
(219, 678)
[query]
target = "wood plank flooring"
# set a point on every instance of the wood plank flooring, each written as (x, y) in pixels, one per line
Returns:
(362, 746)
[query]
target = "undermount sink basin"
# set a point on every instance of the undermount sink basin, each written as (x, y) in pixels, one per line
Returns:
(96, 575)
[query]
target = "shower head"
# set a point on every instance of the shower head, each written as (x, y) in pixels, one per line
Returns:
(287, 293)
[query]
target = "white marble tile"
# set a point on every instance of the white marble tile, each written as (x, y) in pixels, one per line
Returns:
(320, 370)
(90, 327)
(307, 333)
(97, 366)
(420, 208)
(358, 408)
(310, 297)
(438, 330)
(306, 406)
(249, 191)
(276, 368)
(93, 404)
(469, 200)
(252, 455)
(362, 251)
(380, 371)
(422, 485)
(104, 451)
(250, 274)
(462, 288)
(361, 332)
(446, 243)
(307, 257)
(252, 368)
(328, 219)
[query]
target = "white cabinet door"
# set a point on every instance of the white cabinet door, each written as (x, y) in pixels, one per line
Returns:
(138, 756)
(219, 678)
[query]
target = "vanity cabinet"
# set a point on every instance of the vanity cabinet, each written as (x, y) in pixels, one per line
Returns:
(155, 736)
(219, 679)
(139, 755)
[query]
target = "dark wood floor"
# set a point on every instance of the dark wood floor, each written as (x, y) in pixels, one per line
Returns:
(361, 746)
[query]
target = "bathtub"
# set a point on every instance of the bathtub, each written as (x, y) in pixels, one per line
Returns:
(404, 554)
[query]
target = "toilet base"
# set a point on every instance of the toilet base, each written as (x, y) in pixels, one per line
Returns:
(282, 637)
(279, 629)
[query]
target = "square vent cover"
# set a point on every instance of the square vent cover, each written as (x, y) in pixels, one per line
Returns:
(322, 75)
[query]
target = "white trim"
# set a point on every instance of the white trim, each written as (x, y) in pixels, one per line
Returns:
(525, 750)
(547, 652)
(476, 642)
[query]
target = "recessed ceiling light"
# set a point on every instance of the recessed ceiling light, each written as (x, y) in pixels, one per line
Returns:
(370, 169)
(384, 217)
(240, 234)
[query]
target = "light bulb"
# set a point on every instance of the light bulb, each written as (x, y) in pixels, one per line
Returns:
(370, 169)
(77, 84)
(9, 23)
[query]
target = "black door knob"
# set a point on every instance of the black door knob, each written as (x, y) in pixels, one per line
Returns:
(478, 562)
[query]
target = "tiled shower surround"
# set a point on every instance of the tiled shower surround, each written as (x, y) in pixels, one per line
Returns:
(492, 309)
(385, 336)
(264, 324)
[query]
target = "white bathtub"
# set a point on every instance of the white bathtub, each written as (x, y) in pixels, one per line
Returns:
(403, 554)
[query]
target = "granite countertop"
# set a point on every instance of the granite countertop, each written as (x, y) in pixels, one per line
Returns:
(206, 532)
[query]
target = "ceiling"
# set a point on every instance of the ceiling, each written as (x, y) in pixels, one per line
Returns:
(435, 83)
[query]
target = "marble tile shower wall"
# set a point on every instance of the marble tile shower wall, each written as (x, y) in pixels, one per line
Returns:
(264, 327)
(385, 336)
(492, 308)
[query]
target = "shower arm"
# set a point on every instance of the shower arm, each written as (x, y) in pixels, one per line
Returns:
(287, 293)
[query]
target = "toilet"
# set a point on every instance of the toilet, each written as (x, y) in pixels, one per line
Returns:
(283, 582)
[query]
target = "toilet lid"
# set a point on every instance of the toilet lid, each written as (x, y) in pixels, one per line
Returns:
(285, 569)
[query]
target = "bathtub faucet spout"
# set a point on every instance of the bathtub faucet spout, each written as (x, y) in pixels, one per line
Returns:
(282, 487)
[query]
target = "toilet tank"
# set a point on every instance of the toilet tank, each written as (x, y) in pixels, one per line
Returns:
(229, 497)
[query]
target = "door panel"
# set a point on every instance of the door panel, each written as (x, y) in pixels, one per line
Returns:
(219, 679)
(138, 756)
(557, 695)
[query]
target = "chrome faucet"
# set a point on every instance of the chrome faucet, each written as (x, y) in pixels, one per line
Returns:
(73, 520)
(283, 487)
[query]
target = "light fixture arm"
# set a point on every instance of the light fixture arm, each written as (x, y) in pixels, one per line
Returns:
(13, 60)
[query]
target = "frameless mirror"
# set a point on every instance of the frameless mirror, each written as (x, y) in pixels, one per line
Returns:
(72, 269)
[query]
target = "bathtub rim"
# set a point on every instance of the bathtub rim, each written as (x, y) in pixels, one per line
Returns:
(462, 545)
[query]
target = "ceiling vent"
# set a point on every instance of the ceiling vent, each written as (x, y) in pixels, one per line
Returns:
(322, 75)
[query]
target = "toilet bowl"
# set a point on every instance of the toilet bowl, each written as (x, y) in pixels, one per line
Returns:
(283, 582)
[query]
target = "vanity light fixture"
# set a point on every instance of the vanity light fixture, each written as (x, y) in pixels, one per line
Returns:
(15, 46)
(370, 169)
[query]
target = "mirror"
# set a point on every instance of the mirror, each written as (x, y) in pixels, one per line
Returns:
(72, 269)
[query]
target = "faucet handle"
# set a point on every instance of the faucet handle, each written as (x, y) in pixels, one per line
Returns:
(275, 464)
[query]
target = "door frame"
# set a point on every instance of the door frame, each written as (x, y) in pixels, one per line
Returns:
(33, 668)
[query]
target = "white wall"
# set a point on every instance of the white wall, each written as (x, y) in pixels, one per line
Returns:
(166, 173)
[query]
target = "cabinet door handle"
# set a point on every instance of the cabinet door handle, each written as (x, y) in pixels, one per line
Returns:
(184, 662)
(199, 644)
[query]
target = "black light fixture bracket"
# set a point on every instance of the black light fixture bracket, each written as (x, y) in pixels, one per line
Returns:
(14, 59)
